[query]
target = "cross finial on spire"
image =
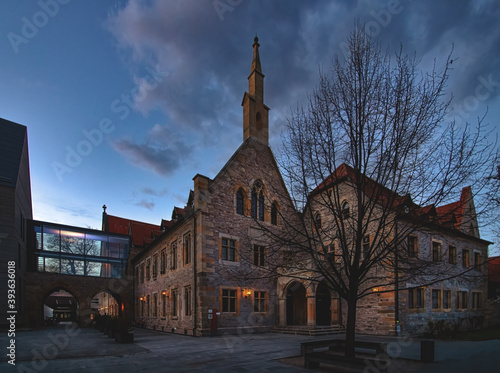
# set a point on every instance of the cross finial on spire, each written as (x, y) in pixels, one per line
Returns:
(256, 57)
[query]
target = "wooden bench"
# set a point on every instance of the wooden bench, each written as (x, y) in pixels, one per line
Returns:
(334, 354)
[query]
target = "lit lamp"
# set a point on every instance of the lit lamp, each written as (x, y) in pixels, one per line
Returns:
(164, 292)
(376, 290)
(247, 292)
(141, 298)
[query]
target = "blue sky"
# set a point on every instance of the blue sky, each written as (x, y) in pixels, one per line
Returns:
(125, 101)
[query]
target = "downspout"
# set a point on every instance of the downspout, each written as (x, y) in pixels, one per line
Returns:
(194, 277)
(396, 284)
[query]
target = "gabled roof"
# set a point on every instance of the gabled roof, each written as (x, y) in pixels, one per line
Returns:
(373, 190)
(140, 232)
(177, 212)
(453, 213)
(12, 139)
(449, 215)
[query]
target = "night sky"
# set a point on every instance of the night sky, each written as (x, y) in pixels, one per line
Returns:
(125, 101)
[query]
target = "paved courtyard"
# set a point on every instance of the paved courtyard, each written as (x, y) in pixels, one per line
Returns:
(70, 349)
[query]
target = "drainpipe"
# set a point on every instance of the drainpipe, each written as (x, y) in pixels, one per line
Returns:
(396, 284)
(194, 277)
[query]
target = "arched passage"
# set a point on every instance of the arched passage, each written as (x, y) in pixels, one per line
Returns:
(60, 305)
(296, 304)
(105, 303)
(323, 304)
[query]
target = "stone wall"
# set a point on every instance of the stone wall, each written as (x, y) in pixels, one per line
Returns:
(83, 288)
(163, 287)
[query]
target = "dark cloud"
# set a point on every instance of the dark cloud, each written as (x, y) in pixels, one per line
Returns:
(152, 192)
(162, 151)
(148, 205)
(207, 57)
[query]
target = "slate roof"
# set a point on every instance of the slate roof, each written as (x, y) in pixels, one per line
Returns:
(12, 138)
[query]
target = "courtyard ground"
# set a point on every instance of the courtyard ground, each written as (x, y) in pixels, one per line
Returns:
(71, 349)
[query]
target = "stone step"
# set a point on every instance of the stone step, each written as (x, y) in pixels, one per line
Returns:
(309, 330)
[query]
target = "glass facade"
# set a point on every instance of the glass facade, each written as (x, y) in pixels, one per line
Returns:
(79, 251)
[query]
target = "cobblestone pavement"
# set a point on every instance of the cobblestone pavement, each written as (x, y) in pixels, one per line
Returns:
(71, 349)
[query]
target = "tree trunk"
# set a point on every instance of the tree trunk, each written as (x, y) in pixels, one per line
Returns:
(351, 325)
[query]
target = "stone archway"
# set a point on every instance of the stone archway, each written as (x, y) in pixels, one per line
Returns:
(296, 304)
(60, 305)
(106, 302)
(323, 304)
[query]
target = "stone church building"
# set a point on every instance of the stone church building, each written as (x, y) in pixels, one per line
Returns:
(210, 269)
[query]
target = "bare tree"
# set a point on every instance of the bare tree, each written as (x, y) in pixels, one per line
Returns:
(370, 155)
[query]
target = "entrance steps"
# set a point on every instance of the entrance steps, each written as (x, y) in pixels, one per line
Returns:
(315, 330)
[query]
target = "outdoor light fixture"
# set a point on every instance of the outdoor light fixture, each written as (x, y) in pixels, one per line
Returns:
(376, 290)
(164, 292)
(141, 298)
(247, 292)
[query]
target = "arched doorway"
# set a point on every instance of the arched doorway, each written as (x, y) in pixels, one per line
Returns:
(323, 304)
(296, 304)
(105, 303)
(60, 306)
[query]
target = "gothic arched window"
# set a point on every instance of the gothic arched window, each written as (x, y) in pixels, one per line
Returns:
(317, 220)
(257, 201)
(261, 206)
(254, 204)
(274, 214)
(346, 212)
(240, 202)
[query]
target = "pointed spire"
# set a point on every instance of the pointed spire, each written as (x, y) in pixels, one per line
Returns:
(255, 112)
(256, 57)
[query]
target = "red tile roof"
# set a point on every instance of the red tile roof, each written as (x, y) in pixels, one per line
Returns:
(373, 189)
(141, 233)
(452, 213)
(494, 269)
(449, 215)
